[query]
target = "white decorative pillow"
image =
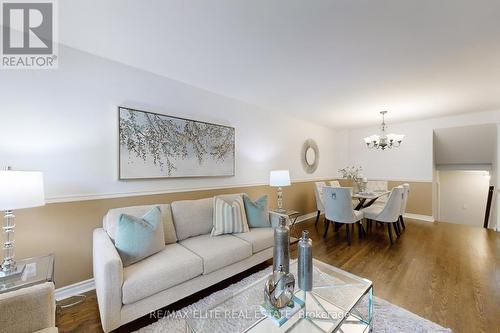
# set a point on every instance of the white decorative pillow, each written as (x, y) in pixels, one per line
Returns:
(229, 216)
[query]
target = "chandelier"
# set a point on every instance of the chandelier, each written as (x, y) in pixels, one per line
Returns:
(383, 140)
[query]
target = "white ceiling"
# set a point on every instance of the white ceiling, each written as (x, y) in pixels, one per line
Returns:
(469, 145)
(334, 62)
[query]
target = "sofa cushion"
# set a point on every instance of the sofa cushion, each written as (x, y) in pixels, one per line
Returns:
(139, 237)
(229, 216)
(260, 238)
(110, 221)
(167, 268)
(192, 217)
(257, 212)
(218, 252)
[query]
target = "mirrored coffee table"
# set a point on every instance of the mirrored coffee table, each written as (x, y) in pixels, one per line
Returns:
(339, 302)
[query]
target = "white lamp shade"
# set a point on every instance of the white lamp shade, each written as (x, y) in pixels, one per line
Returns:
(21, 189)
(279, 178)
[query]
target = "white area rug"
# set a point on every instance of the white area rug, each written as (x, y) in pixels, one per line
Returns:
(388, 318)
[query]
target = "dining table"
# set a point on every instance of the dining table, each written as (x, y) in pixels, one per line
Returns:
(366, 199)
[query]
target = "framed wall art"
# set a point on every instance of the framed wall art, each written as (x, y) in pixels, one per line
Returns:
(154, 145)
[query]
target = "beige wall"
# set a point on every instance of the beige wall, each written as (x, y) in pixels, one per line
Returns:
(66, 228)
(420, 199)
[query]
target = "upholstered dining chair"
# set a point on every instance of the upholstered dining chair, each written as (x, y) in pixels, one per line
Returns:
(334, 183)
(338, 209)
(318, 193)
(406, 194)
(376, 186)
(389, 213)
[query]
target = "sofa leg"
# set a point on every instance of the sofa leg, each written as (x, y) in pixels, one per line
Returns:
(402, 222)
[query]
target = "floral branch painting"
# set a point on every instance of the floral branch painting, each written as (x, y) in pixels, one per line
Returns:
(156, 146)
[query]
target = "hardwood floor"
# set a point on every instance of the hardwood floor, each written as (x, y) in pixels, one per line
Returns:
(447, 273)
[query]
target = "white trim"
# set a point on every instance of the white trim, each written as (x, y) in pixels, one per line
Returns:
(426, 218)
(100, 196)
(406, 180)
(74, 289)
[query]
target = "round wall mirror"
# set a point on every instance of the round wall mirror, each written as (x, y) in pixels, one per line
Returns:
(310, 156)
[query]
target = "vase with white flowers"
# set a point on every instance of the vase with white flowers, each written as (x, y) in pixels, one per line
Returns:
(355, 175)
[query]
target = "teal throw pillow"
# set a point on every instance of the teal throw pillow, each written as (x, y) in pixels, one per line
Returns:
(138, 238)
(257, 212)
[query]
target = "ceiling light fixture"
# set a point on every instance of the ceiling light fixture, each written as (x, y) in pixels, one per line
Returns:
(383, 140)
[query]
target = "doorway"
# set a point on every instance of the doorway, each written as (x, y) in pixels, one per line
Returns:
(465, 165)
(463, 196)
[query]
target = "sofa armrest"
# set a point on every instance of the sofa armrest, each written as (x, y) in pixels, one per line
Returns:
(108, 277)
(28, 309)
(274, 217)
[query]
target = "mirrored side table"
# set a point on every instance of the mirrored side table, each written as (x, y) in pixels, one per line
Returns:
(37, 270)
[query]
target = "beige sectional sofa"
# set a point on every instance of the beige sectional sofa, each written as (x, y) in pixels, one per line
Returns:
(191, 261)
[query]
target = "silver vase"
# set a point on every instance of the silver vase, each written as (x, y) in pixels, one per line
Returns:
(305, 269)
(281, 253)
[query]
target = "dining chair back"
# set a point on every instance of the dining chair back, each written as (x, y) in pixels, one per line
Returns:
(318, 193)
(378, 186)
(406, 193)
(334, 183)
(392, 209)
(338, 205)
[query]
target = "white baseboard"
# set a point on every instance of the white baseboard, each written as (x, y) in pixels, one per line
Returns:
(425, 218)
(74, 289)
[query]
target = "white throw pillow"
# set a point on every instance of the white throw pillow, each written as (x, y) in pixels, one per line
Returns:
(229, 216)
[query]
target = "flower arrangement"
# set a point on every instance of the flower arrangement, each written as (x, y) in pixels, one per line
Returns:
(352, 173)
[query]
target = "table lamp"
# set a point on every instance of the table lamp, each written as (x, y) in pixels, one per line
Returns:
(18, 190)
(279, 178)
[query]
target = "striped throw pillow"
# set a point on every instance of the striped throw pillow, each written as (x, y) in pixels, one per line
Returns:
(229, 216)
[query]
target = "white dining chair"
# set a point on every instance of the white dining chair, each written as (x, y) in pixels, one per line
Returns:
(389, 213)
(334, 183)
(378, 186)
(318, 194)
(406, 194)
(338, 209)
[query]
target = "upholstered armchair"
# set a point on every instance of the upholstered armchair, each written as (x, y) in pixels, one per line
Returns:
(30, 309)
